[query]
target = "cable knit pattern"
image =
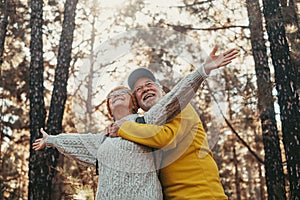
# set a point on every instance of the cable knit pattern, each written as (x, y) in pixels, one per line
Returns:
(128, 173)
(127, 170)
(73, 145)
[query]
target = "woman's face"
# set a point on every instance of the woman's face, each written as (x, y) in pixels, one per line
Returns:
(119, 98)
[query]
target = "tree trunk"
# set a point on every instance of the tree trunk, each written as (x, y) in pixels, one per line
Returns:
(59, 93)
(237, 179)
(291, 22)
(39, 182)
(261, 181)
(88, 105)
(288, 99)
(250, 186)
(3, 27)
(273, 161)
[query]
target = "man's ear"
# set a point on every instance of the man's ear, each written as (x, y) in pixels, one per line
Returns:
(162, 90)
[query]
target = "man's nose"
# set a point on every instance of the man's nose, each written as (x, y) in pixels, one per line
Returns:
(145, 89)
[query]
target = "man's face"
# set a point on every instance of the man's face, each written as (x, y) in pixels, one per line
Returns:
(147, 92)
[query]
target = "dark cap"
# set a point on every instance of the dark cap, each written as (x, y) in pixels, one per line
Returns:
(139, 73)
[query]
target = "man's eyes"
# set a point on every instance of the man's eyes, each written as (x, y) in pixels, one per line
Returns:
(138, 89)
(149, 84)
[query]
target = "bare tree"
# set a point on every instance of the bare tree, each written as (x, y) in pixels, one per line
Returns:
(59, 93)
(3, 25)
(290, 13)
(39, 184)
(288, 99)
(273, 160)
(42, 165)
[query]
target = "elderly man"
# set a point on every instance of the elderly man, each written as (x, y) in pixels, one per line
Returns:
(187, 167)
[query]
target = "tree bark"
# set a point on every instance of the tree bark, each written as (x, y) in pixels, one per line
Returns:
(59, 93)
(288, 99)
(273, 161)
(39, 182)
(291, 22)
(3, 26)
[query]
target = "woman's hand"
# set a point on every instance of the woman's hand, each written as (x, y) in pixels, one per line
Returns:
(112, 129)
(216, 61)
(40, 143)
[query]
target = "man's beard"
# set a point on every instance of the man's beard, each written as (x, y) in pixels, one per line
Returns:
(148, 104)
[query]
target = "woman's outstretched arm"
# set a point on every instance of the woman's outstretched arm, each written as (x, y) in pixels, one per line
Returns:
(81, 147)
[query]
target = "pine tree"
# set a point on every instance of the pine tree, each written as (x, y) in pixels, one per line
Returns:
(273, 161)
(288, 99)
(42, 165)
(39, 184)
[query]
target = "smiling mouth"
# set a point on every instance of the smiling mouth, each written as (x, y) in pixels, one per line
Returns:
(147, 96)
(117, 99)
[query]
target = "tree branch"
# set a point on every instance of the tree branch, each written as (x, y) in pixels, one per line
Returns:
(185, 27)
(259, 159)
(192, 4)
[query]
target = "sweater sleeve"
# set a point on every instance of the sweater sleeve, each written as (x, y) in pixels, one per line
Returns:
(81, 147)
(177, 99)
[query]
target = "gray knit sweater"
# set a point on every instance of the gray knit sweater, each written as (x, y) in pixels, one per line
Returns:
(127, 171)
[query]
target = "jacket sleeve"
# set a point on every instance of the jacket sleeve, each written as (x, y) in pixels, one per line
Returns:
(163, 137)
(177, 99)
(148, 134)
(81, 147)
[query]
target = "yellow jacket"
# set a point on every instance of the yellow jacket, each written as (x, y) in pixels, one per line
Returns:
(188, 168)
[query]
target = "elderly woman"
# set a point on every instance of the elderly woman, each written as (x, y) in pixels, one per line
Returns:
(126, 169)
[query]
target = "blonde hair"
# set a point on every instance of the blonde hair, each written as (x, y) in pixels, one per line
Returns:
(134, 104)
